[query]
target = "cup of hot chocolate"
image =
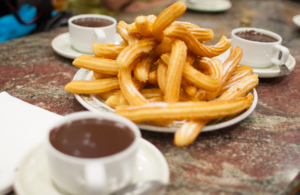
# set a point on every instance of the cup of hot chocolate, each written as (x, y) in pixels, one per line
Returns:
(92, 153)
(89, 28)
(261, 48)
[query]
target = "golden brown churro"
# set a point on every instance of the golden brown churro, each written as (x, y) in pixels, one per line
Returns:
(166, 18)
(98, 64)
(130, 53)
(185, 110)
(93, 87)
(174, 72)
(182, 33)
(110, 51)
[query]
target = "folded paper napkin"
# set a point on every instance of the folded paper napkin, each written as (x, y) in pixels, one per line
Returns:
(22, 126)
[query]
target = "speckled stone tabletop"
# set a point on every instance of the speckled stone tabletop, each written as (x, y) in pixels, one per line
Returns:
(260, 155)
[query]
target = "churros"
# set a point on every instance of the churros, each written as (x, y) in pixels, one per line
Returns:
(164, 73)
(182, 33)
(185, 110)
(166, 18)
(93, 87)
(110, 51)
(130, 53)
(174, 72)
(98, 64)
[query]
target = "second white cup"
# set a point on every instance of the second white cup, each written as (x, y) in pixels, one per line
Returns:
(83, 36)
(260, 54)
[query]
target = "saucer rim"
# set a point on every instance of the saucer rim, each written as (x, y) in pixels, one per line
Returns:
(227, 6)
(17, 187)
(65, 54)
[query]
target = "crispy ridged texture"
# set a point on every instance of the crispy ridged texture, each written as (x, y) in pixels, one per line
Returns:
(163, 47)
(175, 69)
(191, 129)
(110, 51)
(153, 77)
(240, 88)
(236, 76)
(118, 99)
(197, 78)
(106, 95)
(162, 75)
(188, 132)
(142, 69)
(185, 110)
(130, 53)
(93, 87)
(133, 40)
(231, 63)
(142, 26)
(122, 30)
(191, 90)
(129, 90)
(98, 64)
(100, 75)
(132, 28)
(166, 18)
(182, 33)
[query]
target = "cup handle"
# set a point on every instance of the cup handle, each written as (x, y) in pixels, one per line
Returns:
(284, 56)
(95, 177)
(101, 36)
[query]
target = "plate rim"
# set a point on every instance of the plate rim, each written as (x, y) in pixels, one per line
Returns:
(166, 129)
(165, 175)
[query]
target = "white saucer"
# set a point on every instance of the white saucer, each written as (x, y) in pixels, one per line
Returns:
(270, 72)
(96, 104)
(296, 20)
(221, 6)
(62, 45)
(32, 177)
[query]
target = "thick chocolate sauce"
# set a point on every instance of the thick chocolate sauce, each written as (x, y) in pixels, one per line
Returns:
(255, 36)
(92, 22)
(91, 138)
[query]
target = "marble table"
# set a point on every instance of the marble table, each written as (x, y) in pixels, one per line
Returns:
(260, 155)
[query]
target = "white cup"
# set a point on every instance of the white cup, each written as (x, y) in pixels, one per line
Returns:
(93, 176)
(204, 2)
(260, 54)
(82, 38)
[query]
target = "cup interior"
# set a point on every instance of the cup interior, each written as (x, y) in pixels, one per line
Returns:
(262, 31)
(107, 118)
(108, 21)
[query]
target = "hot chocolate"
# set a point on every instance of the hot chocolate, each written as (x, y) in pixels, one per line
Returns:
(91, 138)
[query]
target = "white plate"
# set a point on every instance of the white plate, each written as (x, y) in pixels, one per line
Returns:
(62, 45)
(221, 6)
(33, 177)
(296, 20)
(94, 103)
(270, 72)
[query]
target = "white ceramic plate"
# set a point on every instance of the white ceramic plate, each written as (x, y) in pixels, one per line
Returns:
(62, 45)
(33, 177)
(296, 20)
(221, 6)
(270, 72)
(94, 103)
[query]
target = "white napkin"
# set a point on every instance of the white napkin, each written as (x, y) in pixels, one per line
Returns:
(22, 126)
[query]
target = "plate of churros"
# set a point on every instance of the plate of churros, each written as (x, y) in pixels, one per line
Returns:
(165, 78)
